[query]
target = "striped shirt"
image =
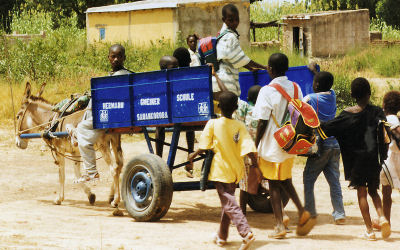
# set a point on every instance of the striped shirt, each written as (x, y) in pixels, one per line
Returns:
(231, 58)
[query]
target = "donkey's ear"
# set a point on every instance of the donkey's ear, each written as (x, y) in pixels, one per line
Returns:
(41, 89)
(27, 92)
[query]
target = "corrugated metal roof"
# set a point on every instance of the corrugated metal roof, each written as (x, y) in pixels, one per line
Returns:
(144, 5)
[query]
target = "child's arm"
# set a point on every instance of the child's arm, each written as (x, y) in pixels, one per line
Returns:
(221, 85)
(262, 125)
(193, 155)
(253, 158)
(252, 66)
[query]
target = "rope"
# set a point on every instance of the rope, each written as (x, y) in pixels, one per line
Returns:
(69, 157)
(43, 124)
(13, 108)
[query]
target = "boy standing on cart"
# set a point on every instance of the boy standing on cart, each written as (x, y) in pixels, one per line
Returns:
(229, 53)
(230, 142)
(86, 135)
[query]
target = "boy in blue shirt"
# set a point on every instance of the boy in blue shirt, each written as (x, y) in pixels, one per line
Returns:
(327, 161)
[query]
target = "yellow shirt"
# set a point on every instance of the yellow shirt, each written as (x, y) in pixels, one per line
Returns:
(230, 142)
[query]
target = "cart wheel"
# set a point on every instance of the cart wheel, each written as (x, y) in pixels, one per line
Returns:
(147, 187)
(261, 202)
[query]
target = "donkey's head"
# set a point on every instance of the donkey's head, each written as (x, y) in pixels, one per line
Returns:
(34, 112)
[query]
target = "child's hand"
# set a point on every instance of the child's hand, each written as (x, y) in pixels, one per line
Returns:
(212, 68)
(313, 67)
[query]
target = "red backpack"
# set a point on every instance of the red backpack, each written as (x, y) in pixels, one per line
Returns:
(297, 135)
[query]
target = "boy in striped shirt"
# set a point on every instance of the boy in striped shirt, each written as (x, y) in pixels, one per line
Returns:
(230, 54)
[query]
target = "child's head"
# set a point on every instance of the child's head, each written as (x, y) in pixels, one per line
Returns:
(228, 103)
(360, 89)
(116, 56)
(191, 41)
(183, 57)
(391, 102)
(168, 62)
(278, 64)
(253, 93)
(323, 81)
(230, 16)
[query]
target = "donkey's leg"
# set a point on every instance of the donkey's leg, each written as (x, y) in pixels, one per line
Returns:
(77, 170)
(104, 148)
(61, 178)
(119, 161)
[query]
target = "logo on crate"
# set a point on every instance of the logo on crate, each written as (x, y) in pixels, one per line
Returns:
(203, 108)
(103, 115)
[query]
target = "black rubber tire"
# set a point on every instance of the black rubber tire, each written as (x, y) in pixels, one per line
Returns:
(261, 202)
(160, 190)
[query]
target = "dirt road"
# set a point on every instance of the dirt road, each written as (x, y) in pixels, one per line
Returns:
(28, 218)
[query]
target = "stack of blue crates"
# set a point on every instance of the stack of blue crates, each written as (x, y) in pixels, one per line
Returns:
(152, 98)
(169, 96)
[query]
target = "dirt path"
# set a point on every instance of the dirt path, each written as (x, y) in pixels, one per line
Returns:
(28, 219)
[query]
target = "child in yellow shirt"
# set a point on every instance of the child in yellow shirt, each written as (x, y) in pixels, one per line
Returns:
(230, 142)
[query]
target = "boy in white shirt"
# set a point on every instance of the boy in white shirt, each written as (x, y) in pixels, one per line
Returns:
(275, 164)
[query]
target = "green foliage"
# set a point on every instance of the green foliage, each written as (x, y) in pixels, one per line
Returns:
(389, 10)
(388, 32)
(346, 5)
(266, 11)
(31, 22)
(342, 89)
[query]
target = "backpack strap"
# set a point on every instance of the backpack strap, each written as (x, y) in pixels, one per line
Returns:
(296, 90)
(284, 93)
(220, 35)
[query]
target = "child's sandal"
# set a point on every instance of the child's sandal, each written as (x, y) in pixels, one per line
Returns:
(306, 223)
(369, 236)
(385, 227)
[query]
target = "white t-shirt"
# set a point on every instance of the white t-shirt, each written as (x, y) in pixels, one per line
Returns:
(269, 101)
(393, 160)
(195, 58)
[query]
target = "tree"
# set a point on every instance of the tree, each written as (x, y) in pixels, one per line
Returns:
(6, 7)
(347, 5)
(67, 8)
(389, 11)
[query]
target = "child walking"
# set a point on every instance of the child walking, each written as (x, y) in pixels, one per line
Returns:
(327, 161)
(244, 113)
(391, 106)
(275, 164)
(356, 131)
(230, 142)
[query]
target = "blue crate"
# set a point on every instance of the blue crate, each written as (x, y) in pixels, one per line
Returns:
(152, 98)
(301, 75)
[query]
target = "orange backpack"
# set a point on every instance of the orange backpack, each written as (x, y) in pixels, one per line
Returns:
(297, 135)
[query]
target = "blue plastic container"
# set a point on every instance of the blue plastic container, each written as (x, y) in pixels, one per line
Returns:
(152, 98)
(301, 75)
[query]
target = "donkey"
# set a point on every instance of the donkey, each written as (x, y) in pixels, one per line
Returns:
(35, 114)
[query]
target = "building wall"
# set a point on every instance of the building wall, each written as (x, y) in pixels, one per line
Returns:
(205, 19)
(140, 27)
(115, 25)
(331, 34)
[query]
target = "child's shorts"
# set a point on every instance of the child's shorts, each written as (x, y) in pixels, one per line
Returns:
(277, 171)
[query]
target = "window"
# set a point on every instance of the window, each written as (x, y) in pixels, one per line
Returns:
(102, 33)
